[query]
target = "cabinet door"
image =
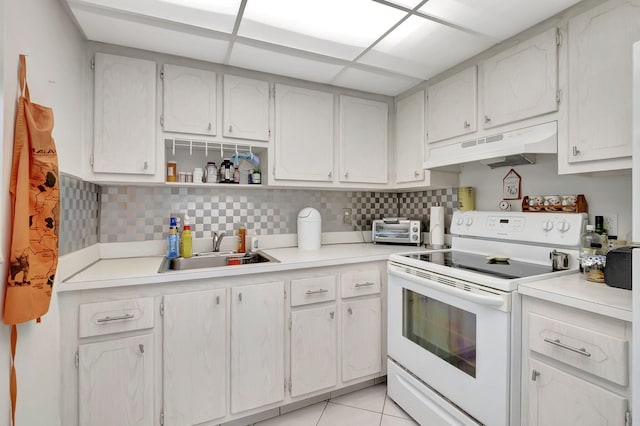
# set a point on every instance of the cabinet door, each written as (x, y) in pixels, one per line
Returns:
(558, 398)
(361, 322)
(600, 81)
(304, 134)
(257, 346)
(453, 106)
(194, 357)
(409, 144)
(116, 382)
(363, 140)
(522, 82)
(189, 100)
(313, 350)
(245, 108)
(124, 115)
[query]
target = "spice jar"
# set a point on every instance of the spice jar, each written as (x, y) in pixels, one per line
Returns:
(171, 171)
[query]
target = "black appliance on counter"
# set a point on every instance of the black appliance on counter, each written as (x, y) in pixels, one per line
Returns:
(617, 270)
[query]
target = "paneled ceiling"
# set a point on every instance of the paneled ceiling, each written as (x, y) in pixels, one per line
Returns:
(377, 46)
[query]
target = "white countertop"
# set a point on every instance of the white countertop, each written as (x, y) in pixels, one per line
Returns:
(118, 272)
(575, 291)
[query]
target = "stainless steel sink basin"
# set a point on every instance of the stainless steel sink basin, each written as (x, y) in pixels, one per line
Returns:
(215, 260)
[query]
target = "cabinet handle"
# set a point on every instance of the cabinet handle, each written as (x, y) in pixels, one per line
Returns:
(332, 314)
(557, 342)
(240, 297)
(576, 151)
(367, 284)
(141, 347)
(330, 174)
(230, 129)
(534, 375)
(217, 300)
(416, 173)
(346, 175)
(146, 165)
(119, 317)
(350, 311)
(466, 124)
(322, 290)
(209, 127)
(487, 119)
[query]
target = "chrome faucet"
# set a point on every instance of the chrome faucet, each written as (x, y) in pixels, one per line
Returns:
(217, 239)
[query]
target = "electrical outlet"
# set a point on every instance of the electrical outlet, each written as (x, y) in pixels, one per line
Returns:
(611, 223)
(346, 216)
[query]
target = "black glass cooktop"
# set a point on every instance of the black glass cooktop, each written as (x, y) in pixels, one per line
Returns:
(499, 268)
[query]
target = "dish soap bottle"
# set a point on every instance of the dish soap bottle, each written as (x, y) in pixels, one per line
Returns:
(186, 240)
(242, 236)
(592, 255)
(172, 240)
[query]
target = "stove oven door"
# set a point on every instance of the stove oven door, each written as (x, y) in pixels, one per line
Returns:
(453, 339)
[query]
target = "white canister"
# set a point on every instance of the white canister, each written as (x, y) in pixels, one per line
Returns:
(309, 229)
(198, 175)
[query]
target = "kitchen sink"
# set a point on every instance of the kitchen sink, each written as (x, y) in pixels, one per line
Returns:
(214, 260)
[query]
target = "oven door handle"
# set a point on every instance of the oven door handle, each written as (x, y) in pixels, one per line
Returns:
(495, 301)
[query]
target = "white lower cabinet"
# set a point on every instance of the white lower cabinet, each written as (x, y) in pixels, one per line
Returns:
(313, 349)
(194, 357)
(559, 398)
(257, 345)
(361, 338)
(115, 382)
(575, 366)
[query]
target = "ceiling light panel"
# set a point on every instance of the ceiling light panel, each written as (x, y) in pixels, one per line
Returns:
(218, 15)
(369, 81)
(108, 29)
(421, 48)
(259, 59)
(337, 28)
(500, 19)
(406, 3)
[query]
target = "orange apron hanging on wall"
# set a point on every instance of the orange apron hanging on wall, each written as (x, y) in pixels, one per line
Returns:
(35, 211)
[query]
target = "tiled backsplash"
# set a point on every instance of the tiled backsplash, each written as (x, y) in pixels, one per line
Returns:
(137, 213)
(79, 214)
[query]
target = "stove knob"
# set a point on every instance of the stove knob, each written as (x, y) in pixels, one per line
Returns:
(547, 225)
(415, 229)
(563, 225)
(459, 220)
(469, 221)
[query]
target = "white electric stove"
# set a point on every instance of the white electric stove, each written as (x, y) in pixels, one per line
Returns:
(454, 314)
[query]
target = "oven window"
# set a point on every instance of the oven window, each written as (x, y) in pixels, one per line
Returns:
(444, 330)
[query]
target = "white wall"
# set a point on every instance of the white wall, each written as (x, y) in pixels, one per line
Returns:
(605, 193)
(42, 30)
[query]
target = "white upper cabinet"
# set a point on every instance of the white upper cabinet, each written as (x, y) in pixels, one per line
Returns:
(363, 140)
(124, 115)
(409, 143)
(522, 82)
(453, 106)
(245, 108)
(600, 81)
(189, 100)
(304, 134)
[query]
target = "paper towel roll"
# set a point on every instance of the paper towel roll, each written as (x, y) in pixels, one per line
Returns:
(436, 226)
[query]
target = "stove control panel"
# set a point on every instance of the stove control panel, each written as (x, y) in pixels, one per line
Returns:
(545, 228)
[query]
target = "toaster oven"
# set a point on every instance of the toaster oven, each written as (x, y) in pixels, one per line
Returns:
(397, 230)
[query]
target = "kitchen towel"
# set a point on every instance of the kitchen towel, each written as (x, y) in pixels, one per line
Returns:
(436, 226)
(35, 209)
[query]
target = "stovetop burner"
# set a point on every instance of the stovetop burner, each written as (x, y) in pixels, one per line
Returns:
(498, 268)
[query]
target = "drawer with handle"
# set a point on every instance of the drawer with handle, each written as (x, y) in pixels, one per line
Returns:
(588, 350)
(360, 283)
(96, 319)
(313, 290)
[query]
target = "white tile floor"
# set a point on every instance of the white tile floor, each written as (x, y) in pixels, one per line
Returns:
(366, 407)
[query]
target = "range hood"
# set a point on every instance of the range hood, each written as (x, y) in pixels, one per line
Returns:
(511, 148)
